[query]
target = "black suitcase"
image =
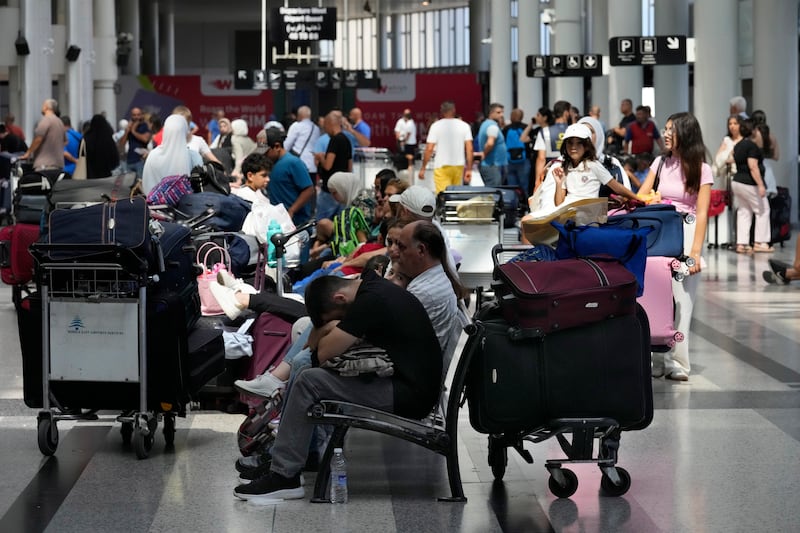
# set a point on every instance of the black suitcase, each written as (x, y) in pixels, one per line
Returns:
(601, 370)
(206, 357)
(780, 220)
(67, 193)
(32, 195)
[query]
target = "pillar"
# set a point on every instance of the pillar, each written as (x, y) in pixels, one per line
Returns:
(625, 19)
(596, 16)
(775, 82)
(129, 23)
(500, 76)
(716, 66)
(567, 39)
(671, 82)
(79, 73)
(529, 90)
(105, 60)
(166, 44)
(36, 70)
(479, 14)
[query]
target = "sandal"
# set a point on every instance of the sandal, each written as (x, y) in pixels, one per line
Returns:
(763, 248)
(742, 249)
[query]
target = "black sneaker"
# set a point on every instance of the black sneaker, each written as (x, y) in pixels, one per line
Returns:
(255, 472)
(251, 462)
(775, 278)
(778, 267)
(272, 486)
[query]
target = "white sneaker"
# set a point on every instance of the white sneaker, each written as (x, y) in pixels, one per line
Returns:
(265, 385)
(226, 279)
(226, 298)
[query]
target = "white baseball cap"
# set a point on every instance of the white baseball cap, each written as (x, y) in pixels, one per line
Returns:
(418, 200)
(578, 130)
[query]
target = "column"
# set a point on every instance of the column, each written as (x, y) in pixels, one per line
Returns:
(150, 33)
(529, 90)
(716, 66)
(567, 39)
(397, 52)
(597, 16)
(166, 45)
(79, 73)
(500, 76)
(381, 30)
(624, 19)
(105, 57)
(775, 82)
(36, 69)
(479, 14)
(129, 23)
(671, 82)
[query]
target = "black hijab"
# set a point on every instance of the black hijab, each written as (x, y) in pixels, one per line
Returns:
(102, 154)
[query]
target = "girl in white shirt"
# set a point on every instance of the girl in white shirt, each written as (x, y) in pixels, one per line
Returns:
(580, 175)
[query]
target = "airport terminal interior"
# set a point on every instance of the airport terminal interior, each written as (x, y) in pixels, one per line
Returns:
(720, 455)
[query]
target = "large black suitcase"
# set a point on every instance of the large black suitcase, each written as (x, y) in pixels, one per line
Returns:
(206, 358)
(601, 370)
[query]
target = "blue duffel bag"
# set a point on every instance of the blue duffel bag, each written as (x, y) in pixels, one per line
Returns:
(230, 211)
(666, 237)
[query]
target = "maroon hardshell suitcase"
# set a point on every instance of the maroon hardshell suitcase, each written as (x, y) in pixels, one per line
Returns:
(537, 298)
(272, 336)
(16, 261)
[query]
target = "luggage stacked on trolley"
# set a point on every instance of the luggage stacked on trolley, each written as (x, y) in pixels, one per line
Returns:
(111, 324)
(563, 352)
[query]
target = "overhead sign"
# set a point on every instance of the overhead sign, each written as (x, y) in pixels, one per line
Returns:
(540, 66)
(302, 24)
(243, 80)
(291, 79)
(653, 50)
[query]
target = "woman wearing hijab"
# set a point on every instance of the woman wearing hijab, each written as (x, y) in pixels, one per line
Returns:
(242, 145)
(102, 155)
(172, 157)
(610, 162)
(223, 139)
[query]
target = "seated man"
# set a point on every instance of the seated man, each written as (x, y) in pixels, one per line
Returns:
(344, 311)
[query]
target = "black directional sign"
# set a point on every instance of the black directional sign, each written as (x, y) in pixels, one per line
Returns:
(539, 66)
(243, 80)
(653, 50)
(368, 79)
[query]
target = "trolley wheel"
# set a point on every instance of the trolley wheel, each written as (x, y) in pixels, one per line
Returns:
(610, 489)
(127, 433)
(48, 436)
(498, 458)
(169, 429)
(142, 443)
(569, 487)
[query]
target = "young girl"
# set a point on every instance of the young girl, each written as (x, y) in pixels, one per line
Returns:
(685, 180)
(580, 175)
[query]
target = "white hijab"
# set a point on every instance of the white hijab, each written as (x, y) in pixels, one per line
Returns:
(599, 134)
(171, 157)
(347, 185)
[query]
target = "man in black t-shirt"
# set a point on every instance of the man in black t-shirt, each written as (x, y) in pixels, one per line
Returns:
(344, 311)
(337, 158)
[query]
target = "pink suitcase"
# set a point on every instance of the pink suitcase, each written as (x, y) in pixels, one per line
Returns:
(657, 301)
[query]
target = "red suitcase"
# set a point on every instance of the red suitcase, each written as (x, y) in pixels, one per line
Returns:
(16, 261)
(657, 301)
(540, 297)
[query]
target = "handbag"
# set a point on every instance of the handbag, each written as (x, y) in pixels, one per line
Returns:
(208, 304)
(626, 245)
(719, 199)
(80, 166)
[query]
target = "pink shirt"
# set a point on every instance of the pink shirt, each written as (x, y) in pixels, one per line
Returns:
(672, 184)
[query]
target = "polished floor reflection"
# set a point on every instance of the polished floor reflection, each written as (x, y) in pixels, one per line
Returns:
(721, 454)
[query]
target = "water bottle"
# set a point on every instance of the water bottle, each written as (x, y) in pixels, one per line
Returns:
(274, 227)
(338, 477)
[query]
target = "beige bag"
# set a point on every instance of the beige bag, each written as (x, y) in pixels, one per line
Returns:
(80, 167)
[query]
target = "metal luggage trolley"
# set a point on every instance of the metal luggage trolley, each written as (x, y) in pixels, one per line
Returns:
(87, 307)
(370, 161)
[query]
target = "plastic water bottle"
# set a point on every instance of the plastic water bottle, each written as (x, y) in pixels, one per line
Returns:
(274, 227)
(338, 477)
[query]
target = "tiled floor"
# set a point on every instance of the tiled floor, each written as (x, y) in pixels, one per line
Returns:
(721, 454)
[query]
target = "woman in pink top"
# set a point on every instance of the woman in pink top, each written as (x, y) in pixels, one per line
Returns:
(685, 181)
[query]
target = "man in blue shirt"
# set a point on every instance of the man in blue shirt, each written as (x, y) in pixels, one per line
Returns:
(289, 182)
(72, 147)
(137, 135)
(493, 145)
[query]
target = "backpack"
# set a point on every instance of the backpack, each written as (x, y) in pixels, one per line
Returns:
(608, 163)
(515, 147)
(169, 190)
(345, 228)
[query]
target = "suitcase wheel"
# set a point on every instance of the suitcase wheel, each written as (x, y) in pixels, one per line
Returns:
(610, 488)
(47, 436)
(498, 458)
(566, 485)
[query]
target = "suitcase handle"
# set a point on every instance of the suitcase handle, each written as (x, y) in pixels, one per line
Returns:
(498, 249)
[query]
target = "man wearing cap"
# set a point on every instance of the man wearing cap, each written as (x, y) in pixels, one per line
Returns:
(419, 203)
(451, 137)
(290, 184)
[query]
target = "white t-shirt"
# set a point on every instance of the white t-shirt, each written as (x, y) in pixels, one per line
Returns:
(449, 136)
(584, 181)
(199, 145)
(407, 130)
(255, 197)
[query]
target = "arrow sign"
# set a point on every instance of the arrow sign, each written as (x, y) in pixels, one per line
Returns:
(589, 61)
(652, 50)
(241, 74)
(274, 76)
(673, 43)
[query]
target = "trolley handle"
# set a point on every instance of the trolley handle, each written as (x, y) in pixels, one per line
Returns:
(280, 239)
(498, 249)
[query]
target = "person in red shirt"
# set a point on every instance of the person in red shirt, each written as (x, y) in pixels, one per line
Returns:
(641, 134)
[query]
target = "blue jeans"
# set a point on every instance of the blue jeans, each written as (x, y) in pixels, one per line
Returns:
(492, 175)
(327, 207)
(519, 175)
